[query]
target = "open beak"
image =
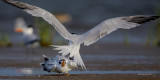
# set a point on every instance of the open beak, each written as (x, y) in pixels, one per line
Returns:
(63, 64)
(19, 30)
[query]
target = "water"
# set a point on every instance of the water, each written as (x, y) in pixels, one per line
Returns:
(37, 71)
(129, 59)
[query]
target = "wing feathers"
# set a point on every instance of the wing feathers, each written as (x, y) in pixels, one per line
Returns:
(20, 4)
(38, 12)
(73, 51)
(140, 19)
(87, 38)
(113, 24)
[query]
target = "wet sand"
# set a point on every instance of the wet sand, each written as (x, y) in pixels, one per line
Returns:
(116, 62)
(87, 77)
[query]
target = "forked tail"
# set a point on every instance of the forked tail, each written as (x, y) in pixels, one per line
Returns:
(72, 51)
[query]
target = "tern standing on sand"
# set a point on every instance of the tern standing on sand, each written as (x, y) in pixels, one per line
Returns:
(87, 38)
(30, 39)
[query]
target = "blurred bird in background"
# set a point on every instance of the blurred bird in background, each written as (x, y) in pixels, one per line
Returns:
(30, 39)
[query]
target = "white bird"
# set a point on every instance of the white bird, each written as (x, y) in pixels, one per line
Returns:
(59, 64)
(87, 38)
(30, 39)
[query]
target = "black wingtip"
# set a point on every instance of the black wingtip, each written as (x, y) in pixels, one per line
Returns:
(147, 19)
(154, 17)
(18, 4)
(141, 19)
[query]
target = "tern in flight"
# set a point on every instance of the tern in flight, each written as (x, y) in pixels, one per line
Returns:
(87, 38)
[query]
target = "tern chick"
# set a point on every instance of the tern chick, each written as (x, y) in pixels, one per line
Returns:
(58, 64)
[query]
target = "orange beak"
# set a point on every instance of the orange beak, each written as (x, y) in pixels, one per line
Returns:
(19, 30)
(63, 64)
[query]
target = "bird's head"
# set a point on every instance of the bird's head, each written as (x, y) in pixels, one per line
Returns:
(62, 62)
(25, 30)
(48, 64)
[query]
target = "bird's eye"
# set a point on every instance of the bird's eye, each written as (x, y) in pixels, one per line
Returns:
(60, 62)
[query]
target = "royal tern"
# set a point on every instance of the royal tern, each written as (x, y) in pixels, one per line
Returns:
(30, 39)
(59, 64)
(87, 38)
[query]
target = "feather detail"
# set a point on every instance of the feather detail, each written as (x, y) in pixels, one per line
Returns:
(72, 51)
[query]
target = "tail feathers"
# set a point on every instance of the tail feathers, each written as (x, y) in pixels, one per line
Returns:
(79, 60)
(58, 47)
(64, 50)
(72, 51)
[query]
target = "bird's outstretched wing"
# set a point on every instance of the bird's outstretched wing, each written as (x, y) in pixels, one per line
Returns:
(38, 12)
(113, 24)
